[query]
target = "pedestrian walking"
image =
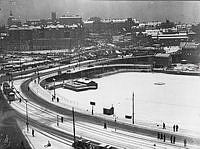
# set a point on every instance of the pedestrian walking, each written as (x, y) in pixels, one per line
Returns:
(33, 132)
(164, 137)
(28, 88)
(176, 127)
(171, 139)
(158, 135)
(185, 142)
(105, 126)
(163, 125)
(174, 139)
(57, 99)
(161, 136)
(62, 119)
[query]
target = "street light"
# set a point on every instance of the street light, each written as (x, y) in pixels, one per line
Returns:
(54, 88)
(133, 121)
(57, 120)
(27, 123)
(115, 122)
(74, 126)
(12, 86)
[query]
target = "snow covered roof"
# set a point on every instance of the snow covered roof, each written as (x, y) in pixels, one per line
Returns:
(165, 55)
(88, 22)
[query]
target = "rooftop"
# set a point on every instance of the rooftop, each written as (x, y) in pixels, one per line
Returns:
(162, 55)
(14, 27)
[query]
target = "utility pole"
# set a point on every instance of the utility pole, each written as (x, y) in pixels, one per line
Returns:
(74, 126)
(133, 109)
(27, 116)
(57, 120)
(54, 88)
(115, 122)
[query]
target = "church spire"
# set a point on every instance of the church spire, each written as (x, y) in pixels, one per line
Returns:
(11, 14)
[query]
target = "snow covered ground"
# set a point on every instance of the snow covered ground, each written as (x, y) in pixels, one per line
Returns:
(41, 138)
(175, 102)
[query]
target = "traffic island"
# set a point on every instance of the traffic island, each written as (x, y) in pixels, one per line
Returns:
(82, 85)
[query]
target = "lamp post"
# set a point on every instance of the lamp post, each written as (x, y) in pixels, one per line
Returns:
(12, 79)
(74, 126)
(21, 67)
(115, 122)
(54, 88)
(27, 123)
(133, 109)
(57, 120)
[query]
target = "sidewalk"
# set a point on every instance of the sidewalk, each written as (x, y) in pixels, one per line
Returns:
(41, 138)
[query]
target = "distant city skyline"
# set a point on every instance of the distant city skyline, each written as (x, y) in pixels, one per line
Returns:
(178, 11)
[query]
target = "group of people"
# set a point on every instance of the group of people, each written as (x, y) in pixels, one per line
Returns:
(175, 128)
(53, 97)
(161, 136)
(172, 138)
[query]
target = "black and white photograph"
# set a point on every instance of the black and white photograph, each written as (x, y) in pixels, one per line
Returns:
(99, 74)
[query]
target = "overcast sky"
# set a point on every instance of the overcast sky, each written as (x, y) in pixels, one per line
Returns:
(184, 11)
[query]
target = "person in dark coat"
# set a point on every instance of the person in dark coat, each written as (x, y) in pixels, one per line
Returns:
(176, 127)
(48, 144)
(164, 137)
(164, 126)
(174, 139)
(161, 136)
(171, 139)
(33, 132)
(158, 135)
(185, 142)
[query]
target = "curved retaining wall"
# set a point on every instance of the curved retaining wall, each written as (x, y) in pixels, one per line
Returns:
(91, 72)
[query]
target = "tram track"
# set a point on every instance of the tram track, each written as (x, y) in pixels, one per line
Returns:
(82, 117)
(131, 142)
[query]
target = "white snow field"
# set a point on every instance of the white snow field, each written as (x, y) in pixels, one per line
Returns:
(175, 102)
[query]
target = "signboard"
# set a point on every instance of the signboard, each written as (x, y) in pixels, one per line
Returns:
(128, 116)
(92, 103)
(108, 111)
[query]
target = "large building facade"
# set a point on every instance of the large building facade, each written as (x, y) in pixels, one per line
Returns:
(44, 37)
(53, 33)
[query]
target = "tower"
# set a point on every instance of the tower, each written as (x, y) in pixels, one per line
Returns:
(53, 16)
